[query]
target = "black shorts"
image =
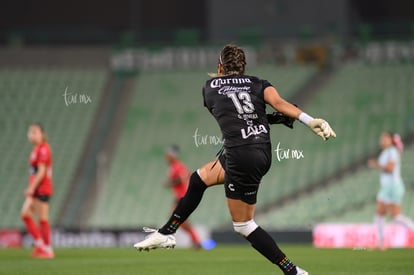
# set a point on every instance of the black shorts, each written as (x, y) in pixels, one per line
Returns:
(244, 168)
(43, 198)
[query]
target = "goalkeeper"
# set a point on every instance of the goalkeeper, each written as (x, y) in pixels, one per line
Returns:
(238, 102)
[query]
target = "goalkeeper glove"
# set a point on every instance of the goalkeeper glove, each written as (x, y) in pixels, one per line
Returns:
(319, 126)
(322, 128)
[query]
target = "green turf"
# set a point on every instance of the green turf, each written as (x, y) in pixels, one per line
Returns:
(222, 260)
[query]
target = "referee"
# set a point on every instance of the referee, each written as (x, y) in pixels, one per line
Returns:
(238, 103)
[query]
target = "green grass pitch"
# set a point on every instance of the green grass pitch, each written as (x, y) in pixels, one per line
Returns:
(237, 260)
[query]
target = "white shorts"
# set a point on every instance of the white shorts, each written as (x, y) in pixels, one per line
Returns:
(391, 194)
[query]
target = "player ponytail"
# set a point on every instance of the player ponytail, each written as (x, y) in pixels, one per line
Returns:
(233, 60)
(396, 141)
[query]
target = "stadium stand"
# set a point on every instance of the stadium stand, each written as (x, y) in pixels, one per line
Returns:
(355, 88)
(167, 109)
(351, 192)
(352, 199)
(37, 95)
(359, 102)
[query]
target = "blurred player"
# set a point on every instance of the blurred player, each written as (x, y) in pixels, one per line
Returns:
(238, 102)
(391, 191)
(178, 179)
(38, 192)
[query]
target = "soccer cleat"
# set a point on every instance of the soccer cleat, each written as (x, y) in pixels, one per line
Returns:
(37, 250)
(155, 240)
(45, 255)
(41, 253)
(300, 271)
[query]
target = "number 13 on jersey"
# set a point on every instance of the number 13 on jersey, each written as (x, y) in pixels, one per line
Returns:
(242, 102)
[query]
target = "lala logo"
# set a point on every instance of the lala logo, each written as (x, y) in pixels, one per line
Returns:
(253, 130)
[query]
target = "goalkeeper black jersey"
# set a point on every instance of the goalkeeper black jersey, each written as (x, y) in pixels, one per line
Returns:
(237, 103)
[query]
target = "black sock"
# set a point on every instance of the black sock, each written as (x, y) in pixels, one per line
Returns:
(186, 205)
(266, 246)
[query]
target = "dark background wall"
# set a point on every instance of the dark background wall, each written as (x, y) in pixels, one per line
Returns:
(99, 21)
(159, 21)
(276, 19)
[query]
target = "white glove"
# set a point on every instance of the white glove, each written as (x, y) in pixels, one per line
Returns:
(322, 128)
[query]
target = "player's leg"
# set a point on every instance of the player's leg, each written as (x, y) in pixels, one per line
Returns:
(395, 208)
(41, 207)
(31, 227)
(398, 217)
(244, 171)
(379, 219)
(187, 226)
(208, 175)
(242, 215)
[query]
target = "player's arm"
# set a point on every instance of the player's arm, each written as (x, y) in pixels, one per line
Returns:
(41, 173)
(388, 168)
(273, 98)
(172, 182)
(318, 126)
(177, 179)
